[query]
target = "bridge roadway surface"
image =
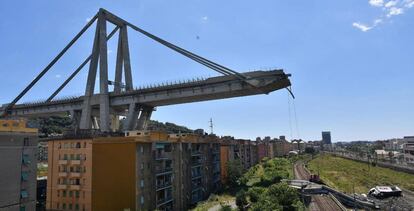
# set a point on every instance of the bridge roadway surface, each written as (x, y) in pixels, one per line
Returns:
(194, 91)
(319, 202)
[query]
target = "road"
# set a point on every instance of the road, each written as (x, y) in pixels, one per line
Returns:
(319, 202)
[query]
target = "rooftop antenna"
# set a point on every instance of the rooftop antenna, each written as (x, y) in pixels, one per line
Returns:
(211, 125)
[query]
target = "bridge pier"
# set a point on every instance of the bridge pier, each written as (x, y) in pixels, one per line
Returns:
(144, 118)
(132, 116)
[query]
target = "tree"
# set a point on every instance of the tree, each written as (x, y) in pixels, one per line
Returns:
(235, 171)
(241, 200)
(225, 208)
(277, 197)
(255, 193)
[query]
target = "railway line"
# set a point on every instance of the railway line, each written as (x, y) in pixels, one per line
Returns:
(318, 202)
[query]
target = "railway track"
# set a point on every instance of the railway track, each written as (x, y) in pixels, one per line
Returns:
(318, 202)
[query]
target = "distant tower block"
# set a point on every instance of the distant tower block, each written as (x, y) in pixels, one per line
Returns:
(326, 137)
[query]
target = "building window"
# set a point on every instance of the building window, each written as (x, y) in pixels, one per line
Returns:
(70, 193)
(142, 199)
(77, 194)
(78, 145)
(58, 193)
(76, 206)
(70, 206)
(64, 193)
(26, 141)
(22, 208)
(142, 183)
(84, 144)
(24, 194)
(26, 159)
(142, 165)
(64, 206)
(142, 149)
(58, 205)
(25, 175)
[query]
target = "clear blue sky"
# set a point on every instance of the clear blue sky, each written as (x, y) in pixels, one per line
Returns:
(351, 61)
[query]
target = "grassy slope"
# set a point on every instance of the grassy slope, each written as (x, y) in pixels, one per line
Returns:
(342, 173)
(213, 201)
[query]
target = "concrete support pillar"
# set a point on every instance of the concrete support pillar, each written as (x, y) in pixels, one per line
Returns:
(123, 60)
(85, 122)
(114, 123)
(75, 117)
(132, 117)
(144, 118)
(99, 54)
(103, 76)
(95, 123)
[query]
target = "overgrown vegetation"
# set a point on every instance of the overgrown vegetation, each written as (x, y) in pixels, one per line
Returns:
(263, 189)
(268, 172)
(260, 188)
(221, 200)
(50, 125)
(343, 174)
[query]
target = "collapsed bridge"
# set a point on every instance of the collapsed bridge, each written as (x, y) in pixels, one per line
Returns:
(102, 110)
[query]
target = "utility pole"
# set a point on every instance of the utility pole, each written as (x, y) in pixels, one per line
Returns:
(211, 126)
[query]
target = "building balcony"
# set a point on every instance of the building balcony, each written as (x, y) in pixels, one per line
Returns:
(163, 156)
(163, 171)
(63, 162)
(75, 162)
(62, 174)
(196, 176)
(195, 188)
(163, 186)
(163, 201)
(62, 187)
(195, 153)
(196, 162)
(75, 187)
(75, 174)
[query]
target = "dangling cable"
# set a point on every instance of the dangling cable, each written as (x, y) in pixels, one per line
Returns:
(290, 117)
(296, 118)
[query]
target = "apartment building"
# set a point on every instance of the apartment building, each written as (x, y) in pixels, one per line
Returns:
(408, 150)
(18, 146)
(281, 147)
(142, 170)
(231, 149)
